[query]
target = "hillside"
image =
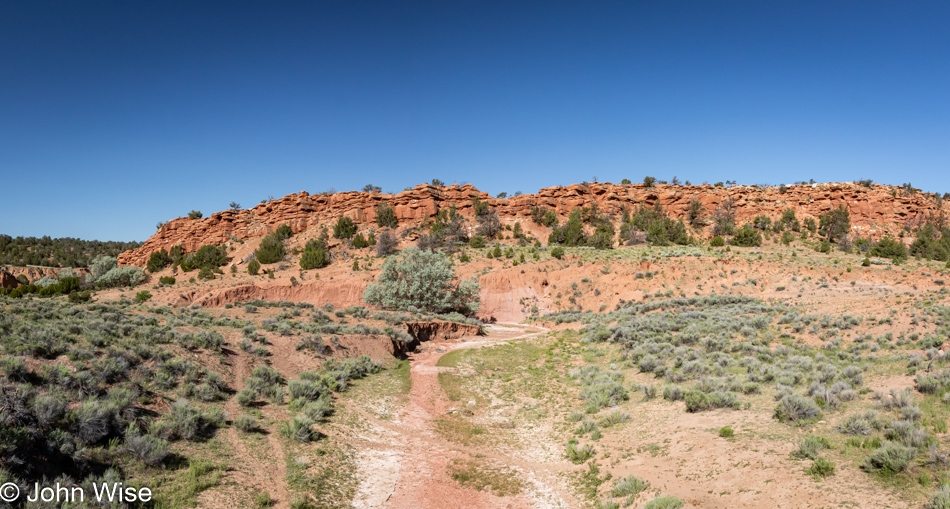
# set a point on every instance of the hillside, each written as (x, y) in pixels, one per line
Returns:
(875, 210)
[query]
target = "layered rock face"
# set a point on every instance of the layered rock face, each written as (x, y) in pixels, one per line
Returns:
(875, 210)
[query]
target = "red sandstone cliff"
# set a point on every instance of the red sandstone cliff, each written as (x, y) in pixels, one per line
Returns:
(874, 210)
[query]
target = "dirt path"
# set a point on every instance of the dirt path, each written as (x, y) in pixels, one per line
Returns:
(250, 472)
(409, 468)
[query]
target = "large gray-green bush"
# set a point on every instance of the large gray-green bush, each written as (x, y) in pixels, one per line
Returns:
(422, 280)
(104, 271)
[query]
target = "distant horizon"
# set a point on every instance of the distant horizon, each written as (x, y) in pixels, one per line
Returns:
(116, 116)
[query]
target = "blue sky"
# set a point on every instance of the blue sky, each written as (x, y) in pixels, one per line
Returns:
(116, 115)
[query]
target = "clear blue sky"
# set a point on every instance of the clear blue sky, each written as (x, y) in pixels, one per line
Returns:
(115, 115)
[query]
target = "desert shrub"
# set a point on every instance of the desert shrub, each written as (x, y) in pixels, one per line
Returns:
(300, 428)
(344, 228)
(206, 274)
(477, 242)
(386, 244)
(245, 423)
(629, 485)
(940, 499)
(147, 449)
(158, 260)
(695, 213)
(664, 503)
(99, 266)
(672, 393)
(697, 401)
(724, 220)
(49, 410)
(835, 224)
(284, 231)
(206, 256)
(195, 214)
(543, 216)
(188, 422)
(166, 280)
(889, 248)
(122, 276)
(143, 296)
(253, 267)
(890, 457)
(654, 225)
(93, 420)
(717, 241)
(578, 454)
(557, 252)
(614, 416)
(822, 467)
(795, 408)
(809, 446)
(315, 255)
(747, 237)
(854, 424)
(422, 280)
(386, 216)
(246, 397)
(271, 249)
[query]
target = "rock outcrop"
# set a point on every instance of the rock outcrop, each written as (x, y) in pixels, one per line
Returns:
(8, 280)
(875, 210)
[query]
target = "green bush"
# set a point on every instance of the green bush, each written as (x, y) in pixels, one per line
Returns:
(889, 248)
(940, 499)
(795, 408)
(344, 228)
(78, 297)
(477, 242)
(206, 274)
(386, 216)
(253, 267)
(167, 280)
(835, 224)
(158, 260)
(359, 241)
(557, 252)
(576, 454)
(245, 423)
(747, 237)
(890, 457)
(122, 276)
(315, 255)
(809, 446)
(271, 249)
(422, 280)
(629, 485)
(143, 296)
(572, 233)
(717, 241)
(726, 432)
(664, 503)
(284, 231)
(195, 214)
(821, 468)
